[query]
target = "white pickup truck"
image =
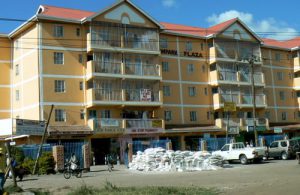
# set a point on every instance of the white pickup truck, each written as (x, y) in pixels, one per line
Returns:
(238, 151)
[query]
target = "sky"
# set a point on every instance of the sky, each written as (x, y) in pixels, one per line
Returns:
(268, 18)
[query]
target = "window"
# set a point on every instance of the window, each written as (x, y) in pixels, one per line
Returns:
(283, 116)
(163, 43)
(192, 91)
(274, 145)
(190, 68)
(58, 58)
(207, 115)
(80, 85)
(205, 91)
(60, 115)
(283, 144)
(168, 115)
(165, 66)
(202, 46)
(280, 76)
(193, 116)
(80, 58)
(188, 46)
(277, 57)
(82, 114)
(17, 95)
(225, 148)
(58, 31)
(92, 114)
(281, 95)
(78, 33)
(105, 114)
(298, 94)
(203, 68)
(214, 90)
(60, 86)
(17, 70)
(298, 114)
(17, 44)
(267, 114)
(166, 90)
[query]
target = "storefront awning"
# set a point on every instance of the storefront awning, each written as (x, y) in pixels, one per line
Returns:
(207, 129)
(288, 127)
(16, 137)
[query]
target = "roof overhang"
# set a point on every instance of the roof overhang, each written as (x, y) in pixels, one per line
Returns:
(275, 47)
(16, 137)
(90, 18)
(181, 34)
(26, 24)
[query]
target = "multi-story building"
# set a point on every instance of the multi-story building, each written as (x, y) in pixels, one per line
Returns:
(119, 75)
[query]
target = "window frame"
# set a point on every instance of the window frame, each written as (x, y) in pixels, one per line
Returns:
(59, 86)
(168, 115)
(192, 91)
(60, 115)
(57, 30)
(193, 116)
(57, 56)
(166, 90)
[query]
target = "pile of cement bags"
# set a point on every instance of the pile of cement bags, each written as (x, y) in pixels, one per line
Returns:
(159, 159)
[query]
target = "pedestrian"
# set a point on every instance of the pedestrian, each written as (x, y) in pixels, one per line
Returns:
(73, 161)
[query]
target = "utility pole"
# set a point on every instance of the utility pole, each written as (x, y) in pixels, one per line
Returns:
(251, 61)
(42, 142)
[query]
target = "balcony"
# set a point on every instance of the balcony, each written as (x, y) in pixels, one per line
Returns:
(122, 97)
(128, 126)
(247, 101)
(297, 83)
(222, 122)
(241, 100)
(236, 78)
(111, 37)
(261, 123)
(296, 64)
(121, 70)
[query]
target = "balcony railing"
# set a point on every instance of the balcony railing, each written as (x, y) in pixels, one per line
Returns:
(142, 70)
(138, 97)
(241, 122)
(222, 122)
(258, 122)
(108, 95)
(107, 67)
(110, 125)
(228, 76)
(248, 99)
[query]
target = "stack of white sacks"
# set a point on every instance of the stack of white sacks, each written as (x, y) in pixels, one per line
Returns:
(159, 159)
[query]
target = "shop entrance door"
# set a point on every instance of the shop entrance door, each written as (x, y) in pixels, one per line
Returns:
(100, 147)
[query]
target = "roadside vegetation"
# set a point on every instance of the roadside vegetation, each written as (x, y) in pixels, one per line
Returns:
(111, 189)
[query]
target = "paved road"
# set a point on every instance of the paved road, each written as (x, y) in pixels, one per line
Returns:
(270, 177)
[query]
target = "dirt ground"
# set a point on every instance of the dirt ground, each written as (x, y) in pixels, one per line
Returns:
(269, 177)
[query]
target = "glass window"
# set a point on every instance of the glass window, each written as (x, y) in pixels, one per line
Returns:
(58, 31)
(163, 42)
(58, 58)
(284, 116)
(280, 76)
(60, 115)
(165, 66)
(192, 91)
(80, 85)
(80, 58)
(17, 95)
(60, 86)
(191, 68)
(274, 145)
(188, 46)
(92, 114)
(168, 115)
(267, 114)
(82, 114)
(78, 33)
(105, 114)
(277, 57)
(214, 90)
(283, 144)
(193, 116)
(225, 148)
(17, 70)
(166, 90)
(281, 95)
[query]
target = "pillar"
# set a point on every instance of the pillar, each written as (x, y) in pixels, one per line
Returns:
(58, 155)
(182, 143)
(169, 145)
(130, 152)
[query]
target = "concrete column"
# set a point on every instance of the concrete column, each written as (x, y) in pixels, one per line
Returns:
(182, 143)
(169, 145)
(203, 145)
(130, 152)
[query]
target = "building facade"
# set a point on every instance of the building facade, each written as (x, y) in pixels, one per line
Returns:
(119, 75)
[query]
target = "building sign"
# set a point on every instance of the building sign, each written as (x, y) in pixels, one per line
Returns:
(233, 131)
(29, 127)
(143, 131)
(145, 95)
(109, 122)
(258, 128)
(109, 131)
(277, 130)
(169, 52)
(192, 54)
(229, 107)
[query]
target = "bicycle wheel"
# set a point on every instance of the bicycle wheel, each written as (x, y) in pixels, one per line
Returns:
(67, 174)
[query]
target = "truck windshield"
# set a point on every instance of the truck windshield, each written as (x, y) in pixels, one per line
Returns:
(225, 148)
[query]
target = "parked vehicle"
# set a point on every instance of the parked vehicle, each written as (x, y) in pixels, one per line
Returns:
(238, 151)
(68, 171)
(283, 149)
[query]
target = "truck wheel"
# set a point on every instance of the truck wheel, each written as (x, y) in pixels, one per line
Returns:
(284, 156)
(243, 159)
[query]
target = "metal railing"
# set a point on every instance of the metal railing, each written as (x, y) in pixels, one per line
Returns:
(108, 95)
(141, 95)
(141, 69)
(228, 76)
(107, 67)
(248, 99)
(230, 98)
(144, 123)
